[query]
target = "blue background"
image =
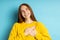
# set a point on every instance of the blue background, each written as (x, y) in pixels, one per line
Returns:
(46, 11)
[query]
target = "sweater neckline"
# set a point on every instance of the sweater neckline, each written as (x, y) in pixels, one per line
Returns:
(29, 23)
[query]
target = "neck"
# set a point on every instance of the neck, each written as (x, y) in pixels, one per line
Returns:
(28, 20)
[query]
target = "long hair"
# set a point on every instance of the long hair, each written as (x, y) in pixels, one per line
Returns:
(21, 18)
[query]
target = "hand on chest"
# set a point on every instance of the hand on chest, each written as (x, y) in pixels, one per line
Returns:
(30, 31)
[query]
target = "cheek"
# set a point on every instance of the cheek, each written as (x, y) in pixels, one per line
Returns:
(23, 14)
(29, 13)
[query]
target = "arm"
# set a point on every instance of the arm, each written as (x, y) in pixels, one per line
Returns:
(42, 33)
(14, 34)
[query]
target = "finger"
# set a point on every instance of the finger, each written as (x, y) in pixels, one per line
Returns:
(33, 27)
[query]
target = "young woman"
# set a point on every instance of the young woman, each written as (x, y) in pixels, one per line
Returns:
(27, 27)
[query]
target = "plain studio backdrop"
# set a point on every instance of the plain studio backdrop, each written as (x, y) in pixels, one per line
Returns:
(46, 11)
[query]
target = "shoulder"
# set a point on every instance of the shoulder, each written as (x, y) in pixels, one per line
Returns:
(40, 23)
(42, 26)
(16, 23)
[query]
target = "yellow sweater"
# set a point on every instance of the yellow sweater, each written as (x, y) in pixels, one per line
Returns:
(17, 32)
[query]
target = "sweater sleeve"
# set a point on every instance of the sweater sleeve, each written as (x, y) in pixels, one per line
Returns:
(42, 33)
(14, 33)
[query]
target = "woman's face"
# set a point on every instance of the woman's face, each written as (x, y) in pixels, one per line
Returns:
(25, 11)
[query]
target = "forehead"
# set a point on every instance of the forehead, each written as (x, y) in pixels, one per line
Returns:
(23, 7)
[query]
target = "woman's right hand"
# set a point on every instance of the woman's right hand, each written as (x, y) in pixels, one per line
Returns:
(30, 30)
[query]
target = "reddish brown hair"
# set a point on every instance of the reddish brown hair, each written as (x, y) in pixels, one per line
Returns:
(21, 18)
